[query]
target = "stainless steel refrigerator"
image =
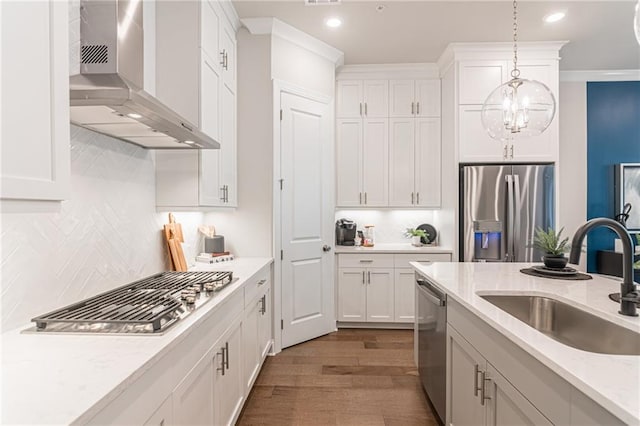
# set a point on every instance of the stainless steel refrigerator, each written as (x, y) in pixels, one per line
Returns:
(500, 208)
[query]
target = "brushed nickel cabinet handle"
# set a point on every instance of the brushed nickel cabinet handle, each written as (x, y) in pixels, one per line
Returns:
(483, 395)
(226, 358)
(360, 198)
(476, 371)
(365, 198)
(362, 277)
(504, 152)
(511, 151)
(417, 198)
(360, 108)
(412, 198)
(221, 354)
(418, 109)
(365, 109)
(412, 108)
(366, 260)
(369, 277)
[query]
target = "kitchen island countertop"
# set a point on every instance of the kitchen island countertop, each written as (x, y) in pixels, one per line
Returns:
(69, 378)
(613, 381)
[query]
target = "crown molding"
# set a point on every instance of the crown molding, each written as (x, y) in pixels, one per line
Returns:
(231, 13)
(600, 75)
(497, 50)
(273, 26)
(385, 71)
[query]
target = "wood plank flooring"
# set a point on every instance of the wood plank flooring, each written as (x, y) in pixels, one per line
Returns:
(350, 377)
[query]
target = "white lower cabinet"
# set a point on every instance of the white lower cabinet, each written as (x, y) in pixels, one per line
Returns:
(229, 391)
(256, 334)
(379, 287)
(193, 399)
(163, 415)
(492, 381)
(479, 394)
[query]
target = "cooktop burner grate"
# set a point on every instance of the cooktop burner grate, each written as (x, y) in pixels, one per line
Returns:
(149, 305)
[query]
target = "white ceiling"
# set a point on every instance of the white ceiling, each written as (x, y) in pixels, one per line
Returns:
(600, 33)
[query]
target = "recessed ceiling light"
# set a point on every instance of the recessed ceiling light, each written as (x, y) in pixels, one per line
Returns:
(134, 115)
(333, 22)
(380, 7)
(554, 17)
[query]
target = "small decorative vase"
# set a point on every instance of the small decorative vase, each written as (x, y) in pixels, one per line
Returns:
(415, 240)
(555, 261)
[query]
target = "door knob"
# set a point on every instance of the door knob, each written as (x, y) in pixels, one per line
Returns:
(326, 248)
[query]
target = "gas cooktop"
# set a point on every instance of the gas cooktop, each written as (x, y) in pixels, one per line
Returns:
(148, 306)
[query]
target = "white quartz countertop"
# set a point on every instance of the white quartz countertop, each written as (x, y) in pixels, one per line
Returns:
(393, 248)
(69, 378)
(613, 381)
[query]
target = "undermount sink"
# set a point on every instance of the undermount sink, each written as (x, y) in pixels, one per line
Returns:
(571, 326)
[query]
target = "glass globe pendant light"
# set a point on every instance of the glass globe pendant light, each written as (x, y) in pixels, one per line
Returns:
(519, 107)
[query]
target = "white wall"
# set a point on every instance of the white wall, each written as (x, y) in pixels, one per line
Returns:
(572, 177)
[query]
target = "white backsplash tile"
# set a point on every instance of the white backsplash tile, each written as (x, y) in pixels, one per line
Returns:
(107, 234)
(390, 225)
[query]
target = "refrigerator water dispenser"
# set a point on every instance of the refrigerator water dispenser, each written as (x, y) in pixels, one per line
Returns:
(487, 240)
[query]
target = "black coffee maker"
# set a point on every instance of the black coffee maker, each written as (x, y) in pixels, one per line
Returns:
(345, 232)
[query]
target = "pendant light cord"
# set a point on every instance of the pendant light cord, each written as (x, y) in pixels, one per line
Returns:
(515, 73)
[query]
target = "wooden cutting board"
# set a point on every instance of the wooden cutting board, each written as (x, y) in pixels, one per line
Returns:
(173, 251)
(177, 255)
(176, 227)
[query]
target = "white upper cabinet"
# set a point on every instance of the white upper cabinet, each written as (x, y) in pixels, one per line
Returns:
(362, 99)
(476, 79)
(349, 162)
(402, 162)
(414, 98)
(428, 162)
(34, 119)
(196, 76)
(375, 163)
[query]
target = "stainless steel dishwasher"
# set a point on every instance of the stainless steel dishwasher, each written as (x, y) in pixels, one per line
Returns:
(431, 322)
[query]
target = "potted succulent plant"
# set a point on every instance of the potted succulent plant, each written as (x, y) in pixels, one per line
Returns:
(416, 235)
(553, 246)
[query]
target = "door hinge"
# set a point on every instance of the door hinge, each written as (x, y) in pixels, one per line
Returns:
(281, 254)
(281, 324)
(280, 115)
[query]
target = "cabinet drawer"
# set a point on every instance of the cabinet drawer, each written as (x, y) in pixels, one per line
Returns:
(402, 260)
(257, 285)
(365, 260)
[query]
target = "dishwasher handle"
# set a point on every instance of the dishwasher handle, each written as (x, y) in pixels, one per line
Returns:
(431, 293)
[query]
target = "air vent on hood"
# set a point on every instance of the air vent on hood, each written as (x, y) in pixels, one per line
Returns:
(108, 95)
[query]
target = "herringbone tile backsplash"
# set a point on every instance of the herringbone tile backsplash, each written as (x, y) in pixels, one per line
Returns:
(107, 234)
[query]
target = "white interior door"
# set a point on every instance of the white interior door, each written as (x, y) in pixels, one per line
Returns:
(306, 156)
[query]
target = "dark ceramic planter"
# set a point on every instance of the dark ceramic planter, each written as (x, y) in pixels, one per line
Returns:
(555, 261)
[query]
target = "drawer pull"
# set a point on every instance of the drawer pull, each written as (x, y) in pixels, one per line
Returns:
(262, 282)
(366, 260)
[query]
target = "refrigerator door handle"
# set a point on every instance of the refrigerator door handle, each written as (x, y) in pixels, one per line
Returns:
(516, 234)
(510, 216)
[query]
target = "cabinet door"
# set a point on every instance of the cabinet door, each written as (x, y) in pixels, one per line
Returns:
(507, 406)
(210, 97)
(228, 55)
(251, 342)
(35, 134)
(402, 162)
(229, 388)
(380, 295)
(177, 177)
(193, 398)
(349, 163)
(428, 162)
(209, 187)
(352, 294)
(427, 98)
(228, 149)
(404, 295)
(163, 415)
(463, 381)
(210, 17)
(349, 99)
(541, 147)
(476, 146)
(478, 79)
(375, 164)
(376, 98)
(264, 325)
(402, 98)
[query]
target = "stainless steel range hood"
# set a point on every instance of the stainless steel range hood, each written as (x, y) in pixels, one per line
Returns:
(108, 95)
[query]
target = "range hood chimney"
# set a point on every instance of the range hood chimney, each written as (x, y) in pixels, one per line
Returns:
(108, 95)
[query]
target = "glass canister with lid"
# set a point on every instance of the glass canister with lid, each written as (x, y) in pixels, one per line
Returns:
(369, 236)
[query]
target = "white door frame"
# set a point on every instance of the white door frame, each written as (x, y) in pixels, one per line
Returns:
(280, 86)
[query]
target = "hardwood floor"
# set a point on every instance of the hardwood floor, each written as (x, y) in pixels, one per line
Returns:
(350, 377)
